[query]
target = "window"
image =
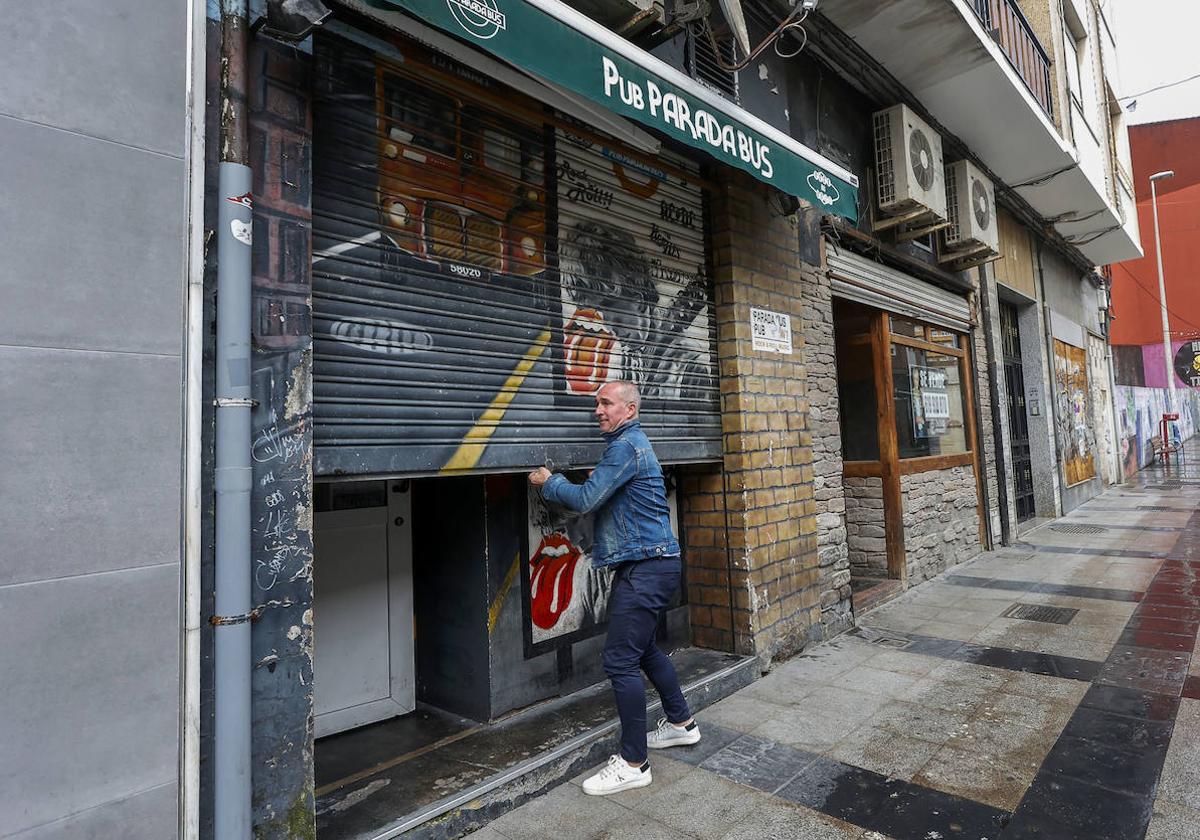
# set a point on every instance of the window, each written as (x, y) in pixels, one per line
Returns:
(930, 410)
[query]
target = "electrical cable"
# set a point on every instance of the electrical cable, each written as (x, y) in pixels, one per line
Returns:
(1175, 315)
(1071, 218)
(1043, 179)
(1160, 87)
(1087, 239)
(794, 18)
(803, 43)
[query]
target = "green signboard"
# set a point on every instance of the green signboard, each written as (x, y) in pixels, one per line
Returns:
(551, 40)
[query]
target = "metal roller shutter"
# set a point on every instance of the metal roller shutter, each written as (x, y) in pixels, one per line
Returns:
(866, 281)
(480, 267)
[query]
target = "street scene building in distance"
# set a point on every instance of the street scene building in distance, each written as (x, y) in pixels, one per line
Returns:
(909, 307)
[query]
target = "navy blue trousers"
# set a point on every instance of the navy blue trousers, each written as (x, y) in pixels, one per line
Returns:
(640, 593)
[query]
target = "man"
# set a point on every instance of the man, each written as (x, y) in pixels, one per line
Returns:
(633, 535)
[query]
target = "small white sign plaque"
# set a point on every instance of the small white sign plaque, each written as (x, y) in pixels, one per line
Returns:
(770, 331)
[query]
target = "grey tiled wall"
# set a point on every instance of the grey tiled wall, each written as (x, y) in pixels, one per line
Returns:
(91, 334)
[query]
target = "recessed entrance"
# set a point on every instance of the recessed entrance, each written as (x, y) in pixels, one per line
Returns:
(363, 597)
(909, 469)
(1018, 419)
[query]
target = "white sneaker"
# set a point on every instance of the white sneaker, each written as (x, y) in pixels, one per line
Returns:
(617, 776)
(667, 734)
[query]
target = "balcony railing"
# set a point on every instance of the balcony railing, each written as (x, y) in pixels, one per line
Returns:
(1025, 52)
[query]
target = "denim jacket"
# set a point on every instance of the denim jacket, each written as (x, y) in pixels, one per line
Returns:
(627, 494)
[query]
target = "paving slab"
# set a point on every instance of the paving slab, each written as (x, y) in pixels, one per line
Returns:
(1170, 821)
(939, 718)
(701, 805)
(997, 779)
(1180, 781)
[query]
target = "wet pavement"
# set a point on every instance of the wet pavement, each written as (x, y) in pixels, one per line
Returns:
(1045, 690)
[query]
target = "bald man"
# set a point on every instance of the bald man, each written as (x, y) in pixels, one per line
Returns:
(633, 536)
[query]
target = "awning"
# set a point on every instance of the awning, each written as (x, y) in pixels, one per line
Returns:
(557, 43)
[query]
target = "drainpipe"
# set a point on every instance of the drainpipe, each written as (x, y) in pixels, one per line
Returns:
(193, 396)
(233, 471)
(993, 364)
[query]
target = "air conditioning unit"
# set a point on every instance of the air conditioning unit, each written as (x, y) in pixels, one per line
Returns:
(971, 201)
(908, 164)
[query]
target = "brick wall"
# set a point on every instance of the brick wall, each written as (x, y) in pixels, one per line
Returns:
(768, 551)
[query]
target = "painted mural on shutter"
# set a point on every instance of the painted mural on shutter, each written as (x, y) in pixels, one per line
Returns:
(1076, 435)
(479, 269)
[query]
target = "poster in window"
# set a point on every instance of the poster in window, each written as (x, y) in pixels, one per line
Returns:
(930, 401)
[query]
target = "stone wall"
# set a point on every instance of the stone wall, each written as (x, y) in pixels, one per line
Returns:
(941, 520)
(993, 411)
(825, 423)
(865, 536)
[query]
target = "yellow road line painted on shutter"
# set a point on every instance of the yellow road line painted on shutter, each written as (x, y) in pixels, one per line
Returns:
(475, 441)
(498, 604)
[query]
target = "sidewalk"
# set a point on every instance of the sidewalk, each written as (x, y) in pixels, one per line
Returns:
(1046, 690)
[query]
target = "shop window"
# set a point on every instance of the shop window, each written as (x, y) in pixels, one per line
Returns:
(907, 327)
(930, 409)
(924, 332)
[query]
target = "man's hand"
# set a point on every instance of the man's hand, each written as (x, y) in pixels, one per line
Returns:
(539, 476)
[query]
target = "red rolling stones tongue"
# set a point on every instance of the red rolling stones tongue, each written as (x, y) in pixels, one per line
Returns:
(589, 345)
(552, 579)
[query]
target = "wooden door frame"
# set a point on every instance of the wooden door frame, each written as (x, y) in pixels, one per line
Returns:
(891, 467)
(889, 450)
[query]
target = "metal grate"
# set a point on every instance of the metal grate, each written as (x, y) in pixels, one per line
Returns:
(1078, 529)
(881, 638)
(1039, 612)
(953, 232)
(887, 641)
(884, 164)
(705, 68)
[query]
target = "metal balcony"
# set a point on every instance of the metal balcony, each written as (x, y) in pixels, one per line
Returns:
(981, 73)
(1008, 26)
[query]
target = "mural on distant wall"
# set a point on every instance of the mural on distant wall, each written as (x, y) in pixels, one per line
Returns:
(566, 598)
(1074, 419)
(633, 277)
(1140, 411)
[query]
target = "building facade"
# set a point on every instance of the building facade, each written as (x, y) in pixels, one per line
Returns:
(1140, 364)
(93, 389)
(856, 280)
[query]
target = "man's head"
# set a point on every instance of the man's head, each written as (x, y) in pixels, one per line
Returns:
(616, 403)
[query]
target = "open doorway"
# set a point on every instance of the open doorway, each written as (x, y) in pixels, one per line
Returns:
(363, 655)
(871, 576)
